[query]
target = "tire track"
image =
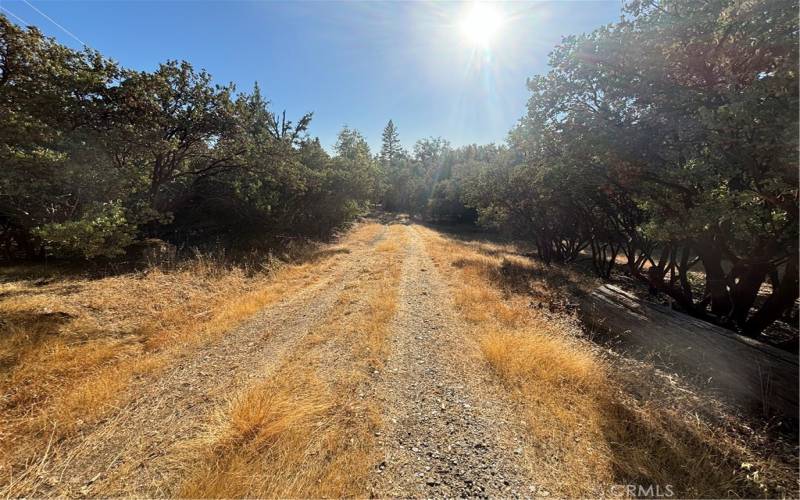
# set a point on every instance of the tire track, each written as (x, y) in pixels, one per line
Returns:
(448, 433)
(139, 450)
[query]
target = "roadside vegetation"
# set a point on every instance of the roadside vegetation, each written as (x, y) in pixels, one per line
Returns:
(97, 157)
(587, 429)
(74, 344)
(309, 429)
(666, 142)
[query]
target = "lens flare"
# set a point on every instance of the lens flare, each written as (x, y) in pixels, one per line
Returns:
(481, 24)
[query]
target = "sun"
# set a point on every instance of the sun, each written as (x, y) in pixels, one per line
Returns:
(481, 24)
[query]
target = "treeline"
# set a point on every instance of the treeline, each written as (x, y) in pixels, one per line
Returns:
(667, 141)
(95, 157)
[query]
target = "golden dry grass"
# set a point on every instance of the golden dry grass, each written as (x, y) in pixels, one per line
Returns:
(308, 429)
(586, 432)
(71, 347)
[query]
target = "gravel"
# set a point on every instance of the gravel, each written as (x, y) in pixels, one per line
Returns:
(446, 432)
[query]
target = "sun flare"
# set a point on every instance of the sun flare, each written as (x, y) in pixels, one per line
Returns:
(480, 24)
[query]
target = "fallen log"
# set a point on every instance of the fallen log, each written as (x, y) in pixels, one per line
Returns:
(744, 371)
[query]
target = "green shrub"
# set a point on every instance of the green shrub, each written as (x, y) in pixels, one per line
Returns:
(103, 231)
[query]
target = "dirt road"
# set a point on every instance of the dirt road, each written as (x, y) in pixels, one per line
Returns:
(446, 429)
(449, 432)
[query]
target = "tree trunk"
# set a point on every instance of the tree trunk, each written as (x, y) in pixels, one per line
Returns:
(746, 289)
(782, 297)
(683, 273)
(716, 280)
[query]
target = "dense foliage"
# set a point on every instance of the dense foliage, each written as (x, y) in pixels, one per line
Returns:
(668, 140)
(95, 156)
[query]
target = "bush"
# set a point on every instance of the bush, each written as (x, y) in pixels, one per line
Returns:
(103, 231)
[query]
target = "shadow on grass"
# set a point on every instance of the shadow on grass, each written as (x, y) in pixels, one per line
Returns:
(29, 329)
(653, 440)
(655, 450)
(44, 273)
(555, 287)
(326, 253)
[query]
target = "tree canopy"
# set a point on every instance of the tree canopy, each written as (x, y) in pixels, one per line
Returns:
(667, 140)
(96, 156)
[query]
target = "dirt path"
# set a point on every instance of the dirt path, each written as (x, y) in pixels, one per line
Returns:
(448, 431)
(139, 449)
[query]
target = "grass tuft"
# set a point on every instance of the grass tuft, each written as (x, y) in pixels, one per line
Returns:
(308, 430)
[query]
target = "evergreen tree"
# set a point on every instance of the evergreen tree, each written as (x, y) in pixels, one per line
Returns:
(391, 143)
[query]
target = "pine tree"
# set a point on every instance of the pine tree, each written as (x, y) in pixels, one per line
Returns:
(391, 143)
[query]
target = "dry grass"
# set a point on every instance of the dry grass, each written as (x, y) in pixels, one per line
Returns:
(586, 431)
(308, 430)
(72, 345)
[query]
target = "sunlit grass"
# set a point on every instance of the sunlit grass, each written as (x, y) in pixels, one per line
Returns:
(586, 432)
(72, 347)
(306, 431)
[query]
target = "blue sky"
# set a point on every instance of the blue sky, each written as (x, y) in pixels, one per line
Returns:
(351, 63)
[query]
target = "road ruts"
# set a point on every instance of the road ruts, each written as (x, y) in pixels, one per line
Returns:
(446, 434)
